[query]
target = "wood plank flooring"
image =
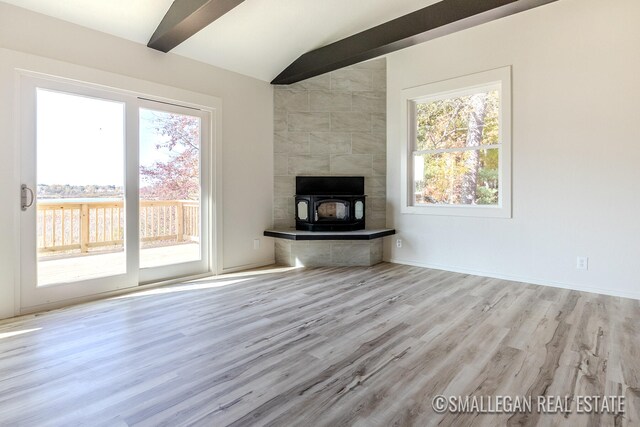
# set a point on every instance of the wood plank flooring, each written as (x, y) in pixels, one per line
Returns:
(365, 346)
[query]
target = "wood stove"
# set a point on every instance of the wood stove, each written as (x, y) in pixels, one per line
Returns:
(330, 203)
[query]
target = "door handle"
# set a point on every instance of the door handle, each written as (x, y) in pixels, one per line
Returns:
(25, 192)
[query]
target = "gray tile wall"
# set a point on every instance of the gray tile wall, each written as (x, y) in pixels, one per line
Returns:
(334, 124)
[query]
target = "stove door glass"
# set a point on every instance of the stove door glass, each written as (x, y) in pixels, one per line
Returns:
(332, 210)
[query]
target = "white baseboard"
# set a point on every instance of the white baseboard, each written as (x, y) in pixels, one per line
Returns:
(247, 266)
(522, 279)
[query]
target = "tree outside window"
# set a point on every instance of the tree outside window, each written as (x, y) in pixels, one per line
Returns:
(456, 149)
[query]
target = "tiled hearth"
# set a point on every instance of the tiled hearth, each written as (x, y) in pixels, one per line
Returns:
(328, 253)
(326, 248)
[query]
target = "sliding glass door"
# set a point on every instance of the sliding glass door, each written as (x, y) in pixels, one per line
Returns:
(114, 191)
(173, 187)
(79, 193)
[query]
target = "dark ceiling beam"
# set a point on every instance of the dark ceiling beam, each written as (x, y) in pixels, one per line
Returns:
(439, 19)
(185, 18)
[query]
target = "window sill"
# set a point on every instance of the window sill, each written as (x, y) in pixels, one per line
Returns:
(451, 210)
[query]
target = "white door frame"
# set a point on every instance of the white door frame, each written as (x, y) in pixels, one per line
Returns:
(125, 87)
(30, 293)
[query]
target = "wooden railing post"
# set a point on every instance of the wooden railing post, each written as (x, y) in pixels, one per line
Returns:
(84, 228)
(180, 221)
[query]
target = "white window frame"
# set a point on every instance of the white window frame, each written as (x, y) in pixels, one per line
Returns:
(499, 78)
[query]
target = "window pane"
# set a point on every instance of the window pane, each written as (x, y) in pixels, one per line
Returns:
(80, 197)
(463, 121)
(303, 210)
(169, 188)
(460, 178)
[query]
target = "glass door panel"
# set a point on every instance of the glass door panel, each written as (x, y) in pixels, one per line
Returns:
(115, 191)
(80, 219)
(170, 188)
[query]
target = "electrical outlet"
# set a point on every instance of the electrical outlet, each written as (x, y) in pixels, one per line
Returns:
(256, 244)
(399, 243)
(582, 263)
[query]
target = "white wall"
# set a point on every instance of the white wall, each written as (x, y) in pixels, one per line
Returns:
(576, 148)
(247, 129)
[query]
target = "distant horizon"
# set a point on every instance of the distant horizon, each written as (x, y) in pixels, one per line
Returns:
(78, 193)
(80, 185)
(86, 185)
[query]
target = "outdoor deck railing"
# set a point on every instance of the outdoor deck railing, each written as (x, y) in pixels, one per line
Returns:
(68, 226)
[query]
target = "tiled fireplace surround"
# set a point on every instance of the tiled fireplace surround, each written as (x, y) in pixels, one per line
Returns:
(333, 125)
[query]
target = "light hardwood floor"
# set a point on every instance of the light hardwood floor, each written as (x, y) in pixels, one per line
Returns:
(366, 346)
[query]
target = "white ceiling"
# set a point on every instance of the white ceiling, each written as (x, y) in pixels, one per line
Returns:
(259, 38)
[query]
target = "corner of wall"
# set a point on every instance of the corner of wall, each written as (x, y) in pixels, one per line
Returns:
(333, 124)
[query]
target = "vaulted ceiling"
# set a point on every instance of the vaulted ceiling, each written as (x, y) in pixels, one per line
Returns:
(258, 38)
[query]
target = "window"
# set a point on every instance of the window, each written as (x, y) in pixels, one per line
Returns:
(458, 146)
